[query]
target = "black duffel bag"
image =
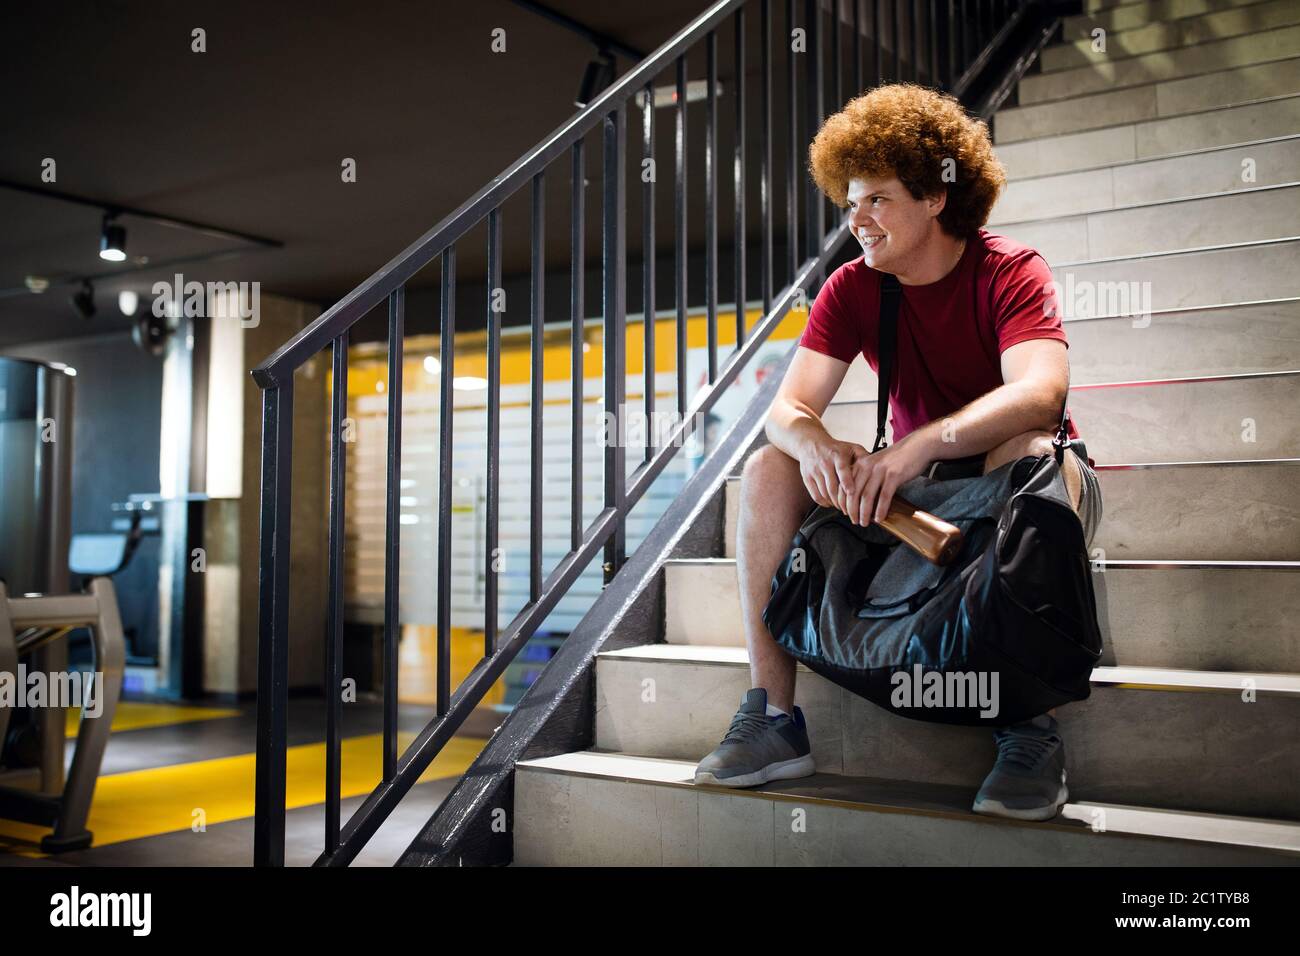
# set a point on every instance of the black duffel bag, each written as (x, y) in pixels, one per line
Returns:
(1004, 632)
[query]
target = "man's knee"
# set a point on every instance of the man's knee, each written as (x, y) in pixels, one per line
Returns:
(1034, 444)
(769, 472)
(1031, 443)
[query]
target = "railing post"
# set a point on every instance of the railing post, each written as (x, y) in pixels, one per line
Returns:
(679, 232)
(334, 608)
(711, 201)
(648, 270)
(273, 625)
(792, 165)
(765, 175)
(446, 411)
(920, 32)
(816, 106)
(577, 363)
(614, 254)
(392, 524)
(537, 317)
(493, 510)
(943, 44)
(837, 72)
(857, 47)
(877, 39)
(738, 230)
(936, 44)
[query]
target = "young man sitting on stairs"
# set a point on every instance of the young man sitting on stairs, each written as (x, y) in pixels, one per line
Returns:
(980, 372)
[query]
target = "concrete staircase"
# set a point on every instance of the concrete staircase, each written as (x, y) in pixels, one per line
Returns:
(1171, 161)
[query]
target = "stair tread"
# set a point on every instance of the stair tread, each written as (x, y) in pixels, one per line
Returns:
(1225, 107)
(1117, 676)
(1082, 104)
(997, 225)
(877, 794)
(1166, 58)
(1287, 374)
(1144, 160)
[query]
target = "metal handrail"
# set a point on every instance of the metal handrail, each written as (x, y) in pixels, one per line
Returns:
(343, 315)
(610, 111)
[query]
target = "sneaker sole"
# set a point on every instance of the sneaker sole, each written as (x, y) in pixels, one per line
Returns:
(784, 770)
(995, 808)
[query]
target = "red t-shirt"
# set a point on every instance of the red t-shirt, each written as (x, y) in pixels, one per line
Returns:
(951, 333)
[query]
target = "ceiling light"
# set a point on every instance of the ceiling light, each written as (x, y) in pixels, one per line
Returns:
(112, 241)
(128, 301)
(665, 96)
(431, 365)
(468, 382)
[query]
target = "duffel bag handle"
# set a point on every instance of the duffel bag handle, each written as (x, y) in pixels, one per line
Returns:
(1062, 440)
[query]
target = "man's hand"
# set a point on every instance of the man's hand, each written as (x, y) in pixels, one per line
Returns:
(847, 477)
(869, 483)
(823, 468)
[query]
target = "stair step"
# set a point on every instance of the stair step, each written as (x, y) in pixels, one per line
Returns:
(1141, 182)
(1225, 418)
(1150, 101)
(1165, 34)
(1215, 340)
(1127, 16)
(1151, 139)
(1180, 63)
(1229, 418)
(609, 809)
(1246, 214)
(1179, 511)
(1231, 511)
(1174, 739)
(1223, 340)
(1209, 276)
(1210, 615)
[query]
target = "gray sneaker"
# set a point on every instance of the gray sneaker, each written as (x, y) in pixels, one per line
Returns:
(759, 748)
(1028, 780)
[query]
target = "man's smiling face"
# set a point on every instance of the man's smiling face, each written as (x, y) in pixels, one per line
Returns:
(890, 225)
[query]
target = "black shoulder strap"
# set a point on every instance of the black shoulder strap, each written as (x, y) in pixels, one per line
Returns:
(887, 345)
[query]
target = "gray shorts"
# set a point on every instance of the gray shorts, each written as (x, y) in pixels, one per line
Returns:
(1089, 497)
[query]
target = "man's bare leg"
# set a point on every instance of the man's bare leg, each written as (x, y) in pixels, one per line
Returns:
(773, 503)
(1037, 443)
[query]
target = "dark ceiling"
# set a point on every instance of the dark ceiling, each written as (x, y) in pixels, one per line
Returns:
(250, 135)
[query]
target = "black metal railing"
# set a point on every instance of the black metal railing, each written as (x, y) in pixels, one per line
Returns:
(946, 41)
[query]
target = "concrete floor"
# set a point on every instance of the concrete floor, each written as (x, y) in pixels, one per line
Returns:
(152, 755)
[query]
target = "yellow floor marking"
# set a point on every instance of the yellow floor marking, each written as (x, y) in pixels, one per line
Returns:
(133, 715)
(142, 803)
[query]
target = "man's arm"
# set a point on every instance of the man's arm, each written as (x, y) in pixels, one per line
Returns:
(1036, 379)
(794, 423)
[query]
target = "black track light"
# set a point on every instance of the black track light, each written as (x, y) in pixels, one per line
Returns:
(83, 300)
(595, 79)
(112, 240)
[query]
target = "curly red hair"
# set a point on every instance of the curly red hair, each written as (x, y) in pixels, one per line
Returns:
(908, 131)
